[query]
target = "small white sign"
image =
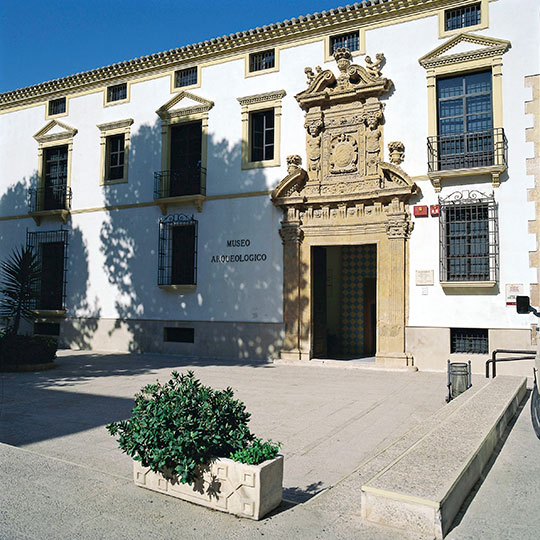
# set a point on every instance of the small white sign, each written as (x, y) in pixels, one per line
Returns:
(425, 291)
(424, 277)
(513, 290)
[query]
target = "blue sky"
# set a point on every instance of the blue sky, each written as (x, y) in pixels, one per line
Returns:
(46, 39)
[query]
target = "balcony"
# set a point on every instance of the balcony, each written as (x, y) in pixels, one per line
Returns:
(180, 186)
(467, 154)
(49, 201)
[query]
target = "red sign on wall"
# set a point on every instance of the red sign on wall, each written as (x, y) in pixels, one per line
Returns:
(434, 209)
(420, 211)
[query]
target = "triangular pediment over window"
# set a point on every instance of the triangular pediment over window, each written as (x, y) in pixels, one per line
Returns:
(184, 103)
(55, 130)
(463, 48)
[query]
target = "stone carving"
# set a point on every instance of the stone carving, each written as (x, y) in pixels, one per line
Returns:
(291, 234)
(343, 154)
(374, 68)
(293, 163)
(310, 75)
(396, 150)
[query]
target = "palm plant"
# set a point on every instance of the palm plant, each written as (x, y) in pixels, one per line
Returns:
(20, 275)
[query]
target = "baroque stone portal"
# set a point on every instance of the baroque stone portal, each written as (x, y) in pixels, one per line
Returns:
(346, 196)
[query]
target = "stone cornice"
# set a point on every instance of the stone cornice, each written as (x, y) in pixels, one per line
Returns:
(68, 133)
(119, 124)
(261, 98)
(285, 31)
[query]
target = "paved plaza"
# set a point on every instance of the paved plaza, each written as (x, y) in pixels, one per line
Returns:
(64, 476)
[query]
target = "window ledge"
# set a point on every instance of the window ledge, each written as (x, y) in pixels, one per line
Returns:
(178, 287)
(61, 212)
(197, 200)
(49, 312)
(494, 170)
(468, 284)
(260, 164)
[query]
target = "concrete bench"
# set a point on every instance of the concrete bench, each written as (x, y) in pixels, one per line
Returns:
(423, 489)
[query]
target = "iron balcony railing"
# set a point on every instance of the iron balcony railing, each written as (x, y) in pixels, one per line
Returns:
(49, 198)
(187, 181)
(467, 150)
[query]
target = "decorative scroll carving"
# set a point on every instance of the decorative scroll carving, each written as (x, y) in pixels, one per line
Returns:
(397, 152)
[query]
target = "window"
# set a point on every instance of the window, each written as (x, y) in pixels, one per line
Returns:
(465, 123)
(179, 335)
(115, 137)
(177, 255)
(118, 92)
(115, 157)
(469, 340)
(262, 60)
(186, 77)
(183, 177)
(57, 106)
(461, 17)
(468, 238)
(51, 248)
(262, 135)
(261, 128)
(350, 40)
(54, 192)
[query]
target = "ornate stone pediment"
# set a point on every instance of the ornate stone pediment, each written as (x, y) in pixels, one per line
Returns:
(464, 47)
(184, 104)
(344, 133)
(55, 130)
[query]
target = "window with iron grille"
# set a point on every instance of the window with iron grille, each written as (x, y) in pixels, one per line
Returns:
(462, 17)
(262, 60)
(177, 255)
(262, 135)
(115, 157)
(469, 340)
(469, 245)
(185, 77)
(51, 249)
(350, 40)
(57, 106)
(118, 92)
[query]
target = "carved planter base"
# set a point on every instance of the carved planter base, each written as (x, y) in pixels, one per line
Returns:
(249, 491)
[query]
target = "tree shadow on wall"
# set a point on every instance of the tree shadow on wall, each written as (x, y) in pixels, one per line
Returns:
(80, 327)
(129, 243)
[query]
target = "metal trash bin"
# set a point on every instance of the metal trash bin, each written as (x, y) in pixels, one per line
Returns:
(459, 378)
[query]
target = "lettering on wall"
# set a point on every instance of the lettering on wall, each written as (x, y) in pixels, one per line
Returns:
(238, 257)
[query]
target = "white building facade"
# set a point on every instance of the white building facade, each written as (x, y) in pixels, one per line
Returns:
(221, 200)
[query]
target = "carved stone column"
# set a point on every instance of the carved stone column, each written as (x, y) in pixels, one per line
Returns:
(291, 237)
(393, 292)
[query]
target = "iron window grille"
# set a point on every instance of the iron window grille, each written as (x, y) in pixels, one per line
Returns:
(350, 41)
(469, 340)
(57, 106)
(49, 198)
(262, 135)
(51, 248)
(179, 183)
(262, 60)
(177, 253)
(468, 237)
(115, 157)
(185, 77)
(462, 17)
(118, 92)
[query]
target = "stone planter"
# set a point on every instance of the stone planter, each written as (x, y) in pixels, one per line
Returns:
(249, 491)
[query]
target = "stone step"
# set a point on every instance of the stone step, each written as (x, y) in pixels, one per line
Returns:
(423, 487)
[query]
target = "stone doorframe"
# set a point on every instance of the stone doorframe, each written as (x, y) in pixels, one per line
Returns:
(388, 226)
(347, 196)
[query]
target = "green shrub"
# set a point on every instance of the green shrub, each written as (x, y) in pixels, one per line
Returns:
(257, 452)
(182, 424)
(20, 349)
